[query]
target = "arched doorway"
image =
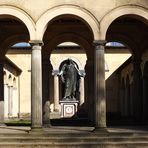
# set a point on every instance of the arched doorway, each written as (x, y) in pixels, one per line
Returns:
(122, 30)
(68, 28)
(15, 27)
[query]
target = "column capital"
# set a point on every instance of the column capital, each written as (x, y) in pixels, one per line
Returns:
(46, 62)
(55, 72)
(136, 60)
(99, 42)
(36, 42)
(2, 61)
(82, 73)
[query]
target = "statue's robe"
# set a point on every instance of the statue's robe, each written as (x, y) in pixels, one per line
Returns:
(70, 76)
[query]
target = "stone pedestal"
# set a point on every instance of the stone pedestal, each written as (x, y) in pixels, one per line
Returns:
(68, 108)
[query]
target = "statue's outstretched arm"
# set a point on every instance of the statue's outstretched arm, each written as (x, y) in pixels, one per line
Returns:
(61, 74)
(62, 70)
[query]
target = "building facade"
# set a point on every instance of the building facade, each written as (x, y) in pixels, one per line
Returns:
(90, 24)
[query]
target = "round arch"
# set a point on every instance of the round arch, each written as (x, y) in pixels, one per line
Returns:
(22, 16)
(14, 82)
(73, 58)
(118, 12)
(70, 37)
(125, 40)
(42, 22)
(10, 80)
(11, 41)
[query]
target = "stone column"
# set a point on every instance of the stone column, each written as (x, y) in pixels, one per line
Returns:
(19, 97)
(45, 90)
(89, 86)
(82, 99)
(122, 97)
(36, 85)
(1, 93)
(56, 91)
(6, 101)
(145, 97)
(15, 101)
(137, 88)
(100, 96)
(10, 101)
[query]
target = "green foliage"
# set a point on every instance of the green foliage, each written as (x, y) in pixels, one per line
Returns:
(18, 122)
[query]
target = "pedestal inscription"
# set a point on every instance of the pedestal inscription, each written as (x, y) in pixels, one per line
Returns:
(68, 108)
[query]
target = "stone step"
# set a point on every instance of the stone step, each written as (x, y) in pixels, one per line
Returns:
(75, 145)
(69, 134)
(57, 137)
(30, 140)
(72, 138)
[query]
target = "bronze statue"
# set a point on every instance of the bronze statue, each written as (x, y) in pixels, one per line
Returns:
(70, 76)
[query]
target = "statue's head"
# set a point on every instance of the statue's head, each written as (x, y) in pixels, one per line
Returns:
(69, 61)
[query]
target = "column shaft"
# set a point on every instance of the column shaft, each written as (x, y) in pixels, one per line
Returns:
(1, 92)
(137, 88)
(10, 103)
(100, 97)
(56, 93)
(82, 91)
(90, 81)
(36, 87)
(145, 97)
(46, 90)
(6, 101)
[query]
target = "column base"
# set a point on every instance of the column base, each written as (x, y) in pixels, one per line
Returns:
(46, 121)
(56, 110)
(2, 124)
(36, 130)
(47, 125)
(100, 130)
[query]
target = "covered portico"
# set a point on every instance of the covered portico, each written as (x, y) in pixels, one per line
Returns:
(73, 24)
